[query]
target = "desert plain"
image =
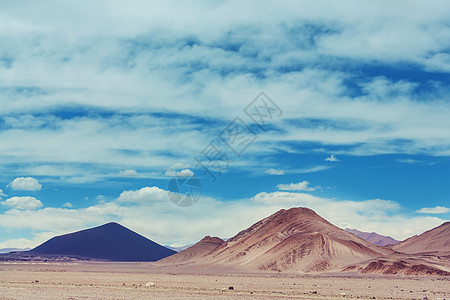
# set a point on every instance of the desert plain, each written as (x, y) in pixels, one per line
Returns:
(107, 280)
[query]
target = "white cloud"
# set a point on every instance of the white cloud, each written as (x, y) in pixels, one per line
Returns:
(128, 173)
(60, 219)
(68, 205)
(301, 186)
(332, 157)
(274, 172)
(41, 70)
(185, 173)
(100, 199)
(23, 203)
(434, 210)
(152, 214)
(181, 173)
(2, 194)
(381, 216)
(170, 173)
(409, 161)
(146, 195)
(25, 184)
(310, 169)
(20, 243)
(76, 70)
(38, 238)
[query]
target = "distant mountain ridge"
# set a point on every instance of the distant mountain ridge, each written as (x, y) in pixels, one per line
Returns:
(181, 248)
(110, 241)
(374, 238)
(8, 250)
(178, 249)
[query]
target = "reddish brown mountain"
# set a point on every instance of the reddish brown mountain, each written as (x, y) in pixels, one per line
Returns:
(294, 240)
(435, 241)
(374, 238)
(197, 252)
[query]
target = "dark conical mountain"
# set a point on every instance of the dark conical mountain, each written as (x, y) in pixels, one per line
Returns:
(111, 241)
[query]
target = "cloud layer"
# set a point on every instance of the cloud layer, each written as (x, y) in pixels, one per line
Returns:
(434, 210)
(126, 95)
(301, 186)
(150, 212)
(131, 94)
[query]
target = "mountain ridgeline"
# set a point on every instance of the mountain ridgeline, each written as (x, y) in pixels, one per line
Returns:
(296, 240)
(111, 241)
(374, 238)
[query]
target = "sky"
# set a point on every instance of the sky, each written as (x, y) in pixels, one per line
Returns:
(339, 106)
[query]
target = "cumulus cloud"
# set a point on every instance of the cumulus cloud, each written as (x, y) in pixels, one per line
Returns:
(146, 195)
(434, 210)
(274, 172)
(2, 194)
(301, 186)
(332, 157)
(68, 205)
(128, 173)
(23, 203)
(25, 184)
(185, 173)
(181, 173)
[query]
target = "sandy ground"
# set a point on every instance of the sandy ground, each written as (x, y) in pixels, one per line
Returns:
(128, 281)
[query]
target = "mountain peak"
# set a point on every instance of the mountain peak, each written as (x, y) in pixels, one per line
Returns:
(110, 241)
(111, 225)
(295, 239)
(295, 211)
(209, 239)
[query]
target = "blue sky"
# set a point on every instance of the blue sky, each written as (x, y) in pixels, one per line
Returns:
(103, 103)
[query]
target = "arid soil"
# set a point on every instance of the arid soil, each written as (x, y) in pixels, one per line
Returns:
(96, 280)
